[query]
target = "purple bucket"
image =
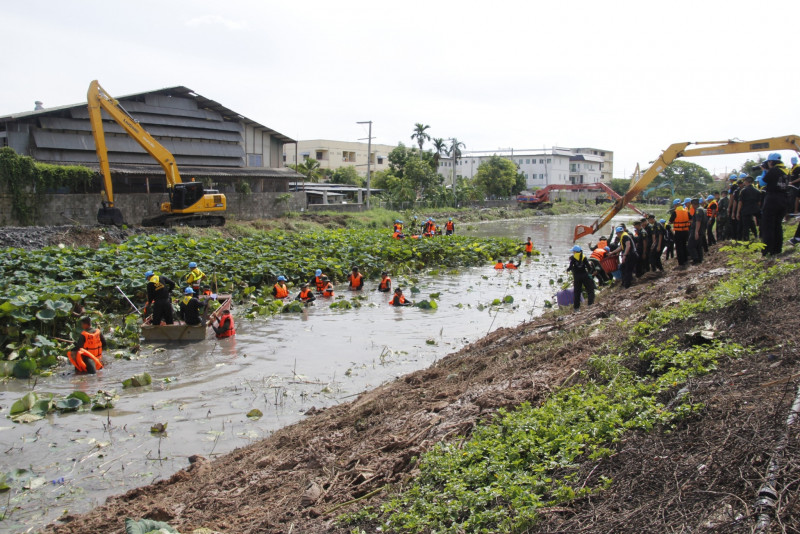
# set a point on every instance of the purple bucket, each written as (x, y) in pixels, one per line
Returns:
(565, 297)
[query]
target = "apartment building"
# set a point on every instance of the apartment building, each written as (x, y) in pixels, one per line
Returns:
(335, 154)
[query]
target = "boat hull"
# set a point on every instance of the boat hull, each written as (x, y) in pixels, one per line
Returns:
(174, 332)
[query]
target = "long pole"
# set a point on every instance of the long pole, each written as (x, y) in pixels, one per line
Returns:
(369, 158)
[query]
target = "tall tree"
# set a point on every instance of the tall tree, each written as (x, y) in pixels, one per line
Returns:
(687, 178)
(346, 175)
(310, 169)
(420, 134)
(439, 148)
(455, 148)
(498, 177)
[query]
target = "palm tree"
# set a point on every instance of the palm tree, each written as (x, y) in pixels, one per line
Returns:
(455, 148)
(439, 148)
(309, 168)
(420, 134)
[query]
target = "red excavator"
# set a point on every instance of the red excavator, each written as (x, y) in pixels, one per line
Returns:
(541, 197)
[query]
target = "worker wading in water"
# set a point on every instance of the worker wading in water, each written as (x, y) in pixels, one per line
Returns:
(398, 299)
(224, 327)
(280, 290)
(86, 356)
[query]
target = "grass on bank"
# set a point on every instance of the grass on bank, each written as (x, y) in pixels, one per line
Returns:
(527, 458)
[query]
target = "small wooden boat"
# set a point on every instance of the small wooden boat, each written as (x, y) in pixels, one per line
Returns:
(174, 332)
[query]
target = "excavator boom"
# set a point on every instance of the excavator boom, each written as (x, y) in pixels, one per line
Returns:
(682, 150)
(187, 199)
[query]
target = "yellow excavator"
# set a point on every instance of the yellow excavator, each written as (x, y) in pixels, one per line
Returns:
(189, 204)
(682, 150)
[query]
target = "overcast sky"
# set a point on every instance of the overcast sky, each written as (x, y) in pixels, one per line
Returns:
(632, 77)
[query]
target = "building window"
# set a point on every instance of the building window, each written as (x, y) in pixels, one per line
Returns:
(284, 158)
(254, 160)
(305, 155)
(380, 160)
(349, 157)
(549, 160)
(603, 154)
(527, 161)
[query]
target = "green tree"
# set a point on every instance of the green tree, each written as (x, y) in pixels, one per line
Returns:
(397, 159)
(455, 148)
(420, 175)
(687, 178)
(620, 185)
(310, 169)
(751, 167)
(347, 175)
(439, 148)
(497, 177)
(420, 134)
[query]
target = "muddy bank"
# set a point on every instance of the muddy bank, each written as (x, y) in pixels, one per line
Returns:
(34, 237)
(703, 476)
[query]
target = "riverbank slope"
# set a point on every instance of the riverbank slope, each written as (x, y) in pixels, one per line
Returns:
(699, 470)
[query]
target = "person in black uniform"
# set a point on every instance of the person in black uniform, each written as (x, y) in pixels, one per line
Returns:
(627, 256)
(657, 233)
(159, 288)
(748, 206)
(776, 184)
(189, 308)
(581, 277)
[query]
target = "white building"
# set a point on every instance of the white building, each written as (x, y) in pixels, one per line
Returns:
(541, 167)
(335, 154)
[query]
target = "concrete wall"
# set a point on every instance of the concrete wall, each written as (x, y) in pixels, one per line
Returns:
(339, 208)
(63, 209)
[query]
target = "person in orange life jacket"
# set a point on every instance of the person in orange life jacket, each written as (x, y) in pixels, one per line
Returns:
(386, 283)
(327, 288)
(529, 247)
(398, 299)
(316, 281)
(356, 280)
(594, 260)
(224, 327)
(712, 211)
(306, 295)
(449, 227)
(189, 308)
(398, 227)
(510, 264)
(581, 277)
(279, 290)
(680, 221)
(499, 265)
(158, 295)
(88, 350)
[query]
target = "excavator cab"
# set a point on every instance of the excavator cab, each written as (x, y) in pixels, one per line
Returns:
(186, 194)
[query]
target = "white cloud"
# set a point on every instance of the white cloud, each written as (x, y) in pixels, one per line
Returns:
(213, 20)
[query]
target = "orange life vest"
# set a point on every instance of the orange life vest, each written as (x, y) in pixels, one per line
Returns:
(598, 253)
(92, 342)
(499, 265)
(281, 292)
(386, 284)
(712, 209)
(510, 266)
(602, 243)
(400, 298)
(529, 246)
(327, 291)
(319, 283)
(691, 210)
(79, 363)
(228, 318)
(682, 222)
(305, 294)
(398, 228)
(355, 279)
(396, 235)
(449, 226)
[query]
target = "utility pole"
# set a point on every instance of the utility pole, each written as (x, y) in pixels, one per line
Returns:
(369, 158)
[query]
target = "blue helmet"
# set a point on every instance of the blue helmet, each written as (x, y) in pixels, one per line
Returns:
(189, 291)
(687, 200)
(676, 202)
(148, 274)
(662, 221)
(318, 272)
(281, 278)
(774, 157)
(743, 175)
(607, 249)
(397, 220)
(401, 222)
(619, 230)
(710, 198)
(794, 161)
(192, 264)
(733, 178)
(577, 248)
(450, 219)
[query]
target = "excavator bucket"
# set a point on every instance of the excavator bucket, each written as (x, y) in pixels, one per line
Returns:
(110, 216)
(581, 231)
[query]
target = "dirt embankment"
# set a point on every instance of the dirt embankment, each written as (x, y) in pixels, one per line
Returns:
(34, 237)
(703, 477)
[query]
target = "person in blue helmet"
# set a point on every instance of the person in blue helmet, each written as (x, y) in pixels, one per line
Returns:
(680, 220)
(317, 282)
(712, 211)
(774, 209)
(194, 276)
(449, 227)
(627, 255)
(189, 308)
(582, 279)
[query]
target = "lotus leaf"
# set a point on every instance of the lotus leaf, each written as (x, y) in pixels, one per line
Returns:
(104, 400)
(136, 381)
(81, 396)
(255, 413)
(68, 404)
(158, 428)
(24, 404)
(24, 368)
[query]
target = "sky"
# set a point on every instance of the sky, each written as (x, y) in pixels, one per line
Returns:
(628, 76)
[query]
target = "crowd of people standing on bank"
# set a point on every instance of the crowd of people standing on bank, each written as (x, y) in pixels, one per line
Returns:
(752, 207)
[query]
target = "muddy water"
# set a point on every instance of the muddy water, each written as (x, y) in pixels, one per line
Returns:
(281, 366)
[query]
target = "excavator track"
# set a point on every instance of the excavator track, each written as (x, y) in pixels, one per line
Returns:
(196, 221)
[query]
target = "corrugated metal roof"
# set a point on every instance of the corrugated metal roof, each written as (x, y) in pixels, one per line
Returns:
(179, 90)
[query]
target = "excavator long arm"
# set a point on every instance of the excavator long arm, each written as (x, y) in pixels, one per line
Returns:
(682, 150)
